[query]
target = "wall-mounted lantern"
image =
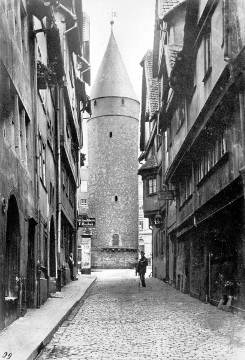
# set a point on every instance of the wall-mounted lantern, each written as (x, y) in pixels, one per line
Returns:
(158, 220)
(4, 205)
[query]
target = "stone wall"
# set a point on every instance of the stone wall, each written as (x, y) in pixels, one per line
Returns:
(113, 181)
(113, 259)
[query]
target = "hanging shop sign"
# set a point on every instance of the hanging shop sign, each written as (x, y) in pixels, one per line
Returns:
(166, 195)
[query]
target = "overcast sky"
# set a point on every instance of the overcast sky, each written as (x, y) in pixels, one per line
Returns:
(133, 30)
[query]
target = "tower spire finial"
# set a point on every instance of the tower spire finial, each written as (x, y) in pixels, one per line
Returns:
(113, 14)
(112, 23)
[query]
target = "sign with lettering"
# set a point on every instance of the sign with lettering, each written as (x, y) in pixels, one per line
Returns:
(86, 253)
(166, 195)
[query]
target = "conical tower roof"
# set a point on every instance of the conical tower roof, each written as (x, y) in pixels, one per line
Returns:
(112, 78)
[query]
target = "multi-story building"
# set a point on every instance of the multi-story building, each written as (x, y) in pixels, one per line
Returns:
(42, 95)
(112, 159)
(199, 61)
(86, 224)
(18, 217)
(145, 233)
(168, 42)
(151, 154)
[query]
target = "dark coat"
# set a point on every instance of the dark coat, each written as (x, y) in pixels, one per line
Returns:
(142, 264)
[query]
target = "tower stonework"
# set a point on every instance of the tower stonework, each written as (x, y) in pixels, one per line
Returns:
(113, 165)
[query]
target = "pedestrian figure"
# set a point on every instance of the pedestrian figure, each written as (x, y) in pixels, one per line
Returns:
(136, 266)
(71, 266)
(141, 269)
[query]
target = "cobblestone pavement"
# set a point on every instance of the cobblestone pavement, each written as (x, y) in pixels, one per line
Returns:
(120, 321)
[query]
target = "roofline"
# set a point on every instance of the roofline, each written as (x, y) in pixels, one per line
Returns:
(114, 96)
(145, 57)
(112, 115)
(167, 13)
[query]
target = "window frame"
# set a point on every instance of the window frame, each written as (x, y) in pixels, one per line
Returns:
(151, 186)
(141, 224)
(207, 42)
(211, 157)
(42, 161)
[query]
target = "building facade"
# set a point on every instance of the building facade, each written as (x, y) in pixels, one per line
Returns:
(198, 58)
(42, 94)
(168, 43)
(145, 233)
(151, 157)
(86, 225)
(112, 159)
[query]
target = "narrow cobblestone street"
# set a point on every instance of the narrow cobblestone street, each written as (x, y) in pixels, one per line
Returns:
(121, 321)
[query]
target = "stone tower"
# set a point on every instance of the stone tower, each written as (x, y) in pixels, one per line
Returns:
(113, 165)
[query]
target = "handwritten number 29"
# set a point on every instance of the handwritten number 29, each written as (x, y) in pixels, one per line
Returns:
(7, 355)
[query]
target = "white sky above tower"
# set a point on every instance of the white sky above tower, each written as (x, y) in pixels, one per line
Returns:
(133, 30)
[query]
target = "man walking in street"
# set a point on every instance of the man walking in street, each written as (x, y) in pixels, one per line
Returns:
(143, 263)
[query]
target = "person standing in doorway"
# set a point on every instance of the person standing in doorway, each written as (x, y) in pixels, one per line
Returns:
(143, 263)
(71, 265)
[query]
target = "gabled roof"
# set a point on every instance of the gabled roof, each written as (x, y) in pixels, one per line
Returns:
(112, 78)
(149, 165)
(166, 6)
(151, 83)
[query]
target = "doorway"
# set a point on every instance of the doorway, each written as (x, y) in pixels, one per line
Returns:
(30, 281)
(12, 262)
(52, 251)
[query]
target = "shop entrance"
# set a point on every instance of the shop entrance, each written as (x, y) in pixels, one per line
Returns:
(224, 249)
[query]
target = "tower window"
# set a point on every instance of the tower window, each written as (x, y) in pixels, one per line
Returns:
(116, 198)
(95, 102)
(110, 134)
(122, 101)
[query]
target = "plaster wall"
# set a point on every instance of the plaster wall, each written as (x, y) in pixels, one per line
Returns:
(205, 86)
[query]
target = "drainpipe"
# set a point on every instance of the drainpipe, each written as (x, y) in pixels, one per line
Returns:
(151, 228)
(66, 11)
(58, 122)
(36, 182)
(226, 30)
(242, 114)
(242, 170)
(73, 27)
